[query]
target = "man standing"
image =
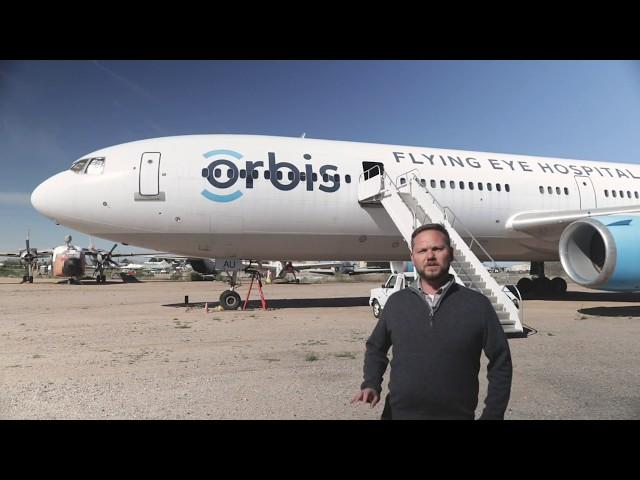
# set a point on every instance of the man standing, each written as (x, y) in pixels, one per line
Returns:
(438, 330)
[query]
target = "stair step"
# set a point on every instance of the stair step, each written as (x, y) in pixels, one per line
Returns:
(477, 279)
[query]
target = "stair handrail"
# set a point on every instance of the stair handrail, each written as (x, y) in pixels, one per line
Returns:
(443, 209)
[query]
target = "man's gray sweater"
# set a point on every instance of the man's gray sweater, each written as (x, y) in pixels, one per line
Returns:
(436, 355)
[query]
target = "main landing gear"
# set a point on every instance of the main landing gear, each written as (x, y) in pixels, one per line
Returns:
(540, 284)
(230, 299)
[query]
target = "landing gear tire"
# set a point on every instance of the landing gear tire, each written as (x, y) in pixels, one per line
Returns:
(230, 300)
(558, 286)
(30, 279)
(541, 285)
(375, 306)
(524, 285)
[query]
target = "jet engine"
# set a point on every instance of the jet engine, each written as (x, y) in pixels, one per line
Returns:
(603, 252)
(205, 266)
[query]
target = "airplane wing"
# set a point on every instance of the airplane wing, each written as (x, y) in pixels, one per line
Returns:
(40, 253)
(363, 271)
(552, 223)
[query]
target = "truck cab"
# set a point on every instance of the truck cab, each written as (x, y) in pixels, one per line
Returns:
(395, 282)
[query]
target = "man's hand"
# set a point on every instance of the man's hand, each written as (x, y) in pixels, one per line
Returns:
(367, 395)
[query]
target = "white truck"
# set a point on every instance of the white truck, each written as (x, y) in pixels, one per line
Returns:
(379, 296)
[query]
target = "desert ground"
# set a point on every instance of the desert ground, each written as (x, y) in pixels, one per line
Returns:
(135, 351)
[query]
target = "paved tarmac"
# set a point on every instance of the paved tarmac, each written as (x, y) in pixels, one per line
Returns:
(134, 351)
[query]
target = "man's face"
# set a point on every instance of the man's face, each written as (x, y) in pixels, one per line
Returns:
(430, 255)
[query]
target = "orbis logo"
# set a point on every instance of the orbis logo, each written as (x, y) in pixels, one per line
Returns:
(226, 169)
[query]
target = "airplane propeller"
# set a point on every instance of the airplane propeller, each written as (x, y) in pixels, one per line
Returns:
(104, 260)
(29, 256)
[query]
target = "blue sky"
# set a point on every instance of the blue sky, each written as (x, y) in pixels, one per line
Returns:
(54, 112)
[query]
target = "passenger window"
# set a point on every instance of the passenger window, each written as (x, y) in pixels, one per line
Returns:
(461, 185)
(452, 184)
(636, 193)
(541, 189)
(558, 190)
(628, 194)
(550, 190)
(606, 193)
(433, 184)
(279, 174)
(507, 188)
(489, 187)
(479, 185)
(423, 182)
(267, 174)
(303, 176)
(613, 192)
(403, 181)
(470, 185)
(621, 194)
(217, 172)
(442, 184)
(96, 167)
(498, 187)
(347, 178)
(566, 191)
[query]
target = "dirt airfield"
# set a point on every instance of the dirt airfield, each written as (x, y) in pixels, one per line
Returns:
(134, 351)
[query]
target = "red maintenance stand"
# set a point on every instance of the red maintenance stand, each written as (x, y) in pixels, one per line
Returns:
(255, 275)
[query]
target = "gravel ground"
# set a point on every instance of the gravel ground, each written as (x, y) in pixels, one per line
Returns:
(133, 351)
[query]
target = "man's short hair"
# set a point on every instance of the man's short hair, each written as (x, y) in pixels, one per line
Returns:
(431, 226)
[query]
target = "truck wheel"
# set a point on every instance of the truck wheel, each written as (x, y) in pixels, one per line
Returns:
(375, 306)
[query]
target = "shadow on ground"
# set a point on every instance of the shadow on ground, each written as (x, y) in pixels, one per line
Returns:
(289, 303)
(628, 311)
(588, 297)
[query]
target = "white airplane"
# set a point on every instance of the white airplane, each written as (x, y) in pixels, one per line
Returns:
(243, 197)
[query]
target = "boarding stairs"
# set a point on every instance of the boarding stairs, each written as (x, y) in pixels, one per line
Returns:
(410, 204)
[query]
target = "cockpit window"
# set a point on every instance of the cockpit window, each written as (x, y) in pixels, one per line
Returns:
(96, 166)
(91, 166)
(78, 165)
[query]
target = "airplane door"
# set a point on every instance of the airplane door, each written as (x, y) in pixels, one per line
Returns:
(371, 169)
(150, 173)
(587, 192)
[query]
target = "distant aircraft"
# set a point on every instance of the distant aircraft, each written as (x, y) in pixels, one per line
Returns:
(70, 261)
(29, 258)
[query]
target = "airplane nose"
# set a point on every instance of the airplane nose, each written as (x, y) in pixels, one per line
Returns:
(38, 198)
(53, 197)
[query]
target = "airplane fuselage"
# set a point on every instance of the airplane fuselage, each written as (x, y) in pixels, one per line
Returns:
(296, 198)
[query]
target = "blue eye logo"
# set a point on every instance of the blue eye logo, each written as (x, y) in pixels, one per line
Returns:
(213, 173)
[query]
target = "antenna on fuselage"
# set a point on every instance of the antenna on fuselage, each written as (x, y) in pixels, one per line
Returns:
(303, 134)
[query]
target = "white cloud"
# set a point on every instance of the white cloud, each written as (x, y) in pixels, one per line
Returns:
(15, 199)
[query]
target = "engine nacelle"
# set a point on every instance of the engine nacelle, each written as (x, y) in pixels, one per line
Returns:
(204, 266)
(603, 252)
